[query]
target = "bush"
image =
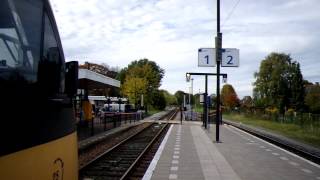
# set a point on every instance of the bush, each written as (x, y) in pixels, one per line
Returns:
(289, 112)
(273, 112)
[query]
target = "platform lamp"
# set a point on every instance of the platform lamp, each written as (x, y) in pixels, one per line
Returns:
(188, 77)
(224, 78)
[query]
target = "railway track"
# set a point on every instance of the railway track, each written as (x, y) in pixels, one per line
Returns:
(139, 169)
(174, 114)
(129, 159)
(171, 114)
(91, 150)
(307, 153)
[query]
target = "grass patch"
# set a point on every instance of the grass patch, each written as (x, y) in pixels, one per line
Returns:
(152, 111)
(198, 109)
(289, 130)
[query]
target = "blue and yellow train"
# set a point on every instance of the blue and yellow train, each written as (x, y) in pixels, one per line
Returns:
(38, 138)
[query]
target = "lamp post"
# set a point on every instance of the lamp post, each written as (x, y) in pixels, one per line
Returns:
(218, 44)
(188, 76)
(184, 100)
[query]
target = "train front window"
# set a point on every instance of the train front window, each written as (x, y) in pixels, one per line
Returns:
(32, 73)
(51, 67)
(20, 38)
(50, 47)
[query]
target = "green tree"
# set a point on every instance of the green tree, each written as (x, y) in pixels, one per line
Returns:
(122, 75)
(196, 100)
(312, 98)
(179, 96)
(159, 101)
(133, 87)
(154, 73)
(246, 103)
(170, 99)
(229, 97)
(296, 85)
(144, 69)
(213, 101)
(279, 83)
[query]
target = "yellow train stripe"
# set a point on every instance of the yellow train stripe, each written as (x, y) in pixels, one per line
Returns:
(57, 160)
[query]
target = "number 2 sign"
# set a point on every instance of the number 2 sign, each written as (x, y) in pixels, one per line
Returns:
(230, 57)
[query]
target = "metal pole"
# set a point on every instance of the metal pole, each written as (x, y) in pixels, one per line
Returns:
(189, 96)
(192, 98)
(142, 100)
(184, 100)
(218, 58)
(205, 112)
(218, 16)
(135, 95)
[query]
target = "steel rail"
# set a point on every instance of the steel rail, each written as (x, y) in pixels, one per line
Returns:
(114, 147)
(175, 111)
(169, 114)
(127, 140)
(130, 169)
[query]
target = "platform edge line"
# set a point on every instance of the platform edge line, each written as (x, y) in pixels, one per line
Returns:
(153, 164)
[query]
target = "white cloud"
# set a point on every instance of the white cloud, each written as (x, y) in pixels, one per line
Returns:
(170, 32)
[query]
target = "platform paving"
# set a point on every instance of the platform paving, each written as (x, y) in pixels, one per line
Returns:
(189, 154)
(252, 158)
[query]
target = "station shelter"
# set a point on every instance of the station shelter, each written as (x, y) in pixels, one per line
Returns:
(90, 82)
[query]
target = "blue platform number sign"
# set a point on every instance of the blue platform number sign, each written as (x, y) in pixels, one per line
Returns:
(206, 57)
(230, 57)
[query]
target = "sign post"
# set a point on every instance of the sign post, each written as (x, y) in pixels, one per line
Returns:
(211, 57)
(218, 59)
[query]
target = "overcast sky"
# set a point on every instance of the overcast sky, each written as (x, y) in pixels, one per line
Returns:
(170, 32)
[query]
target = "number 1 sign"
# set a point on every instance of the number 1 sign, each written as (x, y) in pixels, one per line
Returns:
(230, 57)
(206, 57)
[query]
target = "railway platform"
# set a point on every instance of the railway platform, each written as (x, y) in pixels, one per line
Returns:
(190, 152)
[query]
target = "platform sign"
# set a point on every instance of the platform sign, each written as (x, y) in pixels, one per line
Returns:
(201, 98)
(230, 57)
(206, 57)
